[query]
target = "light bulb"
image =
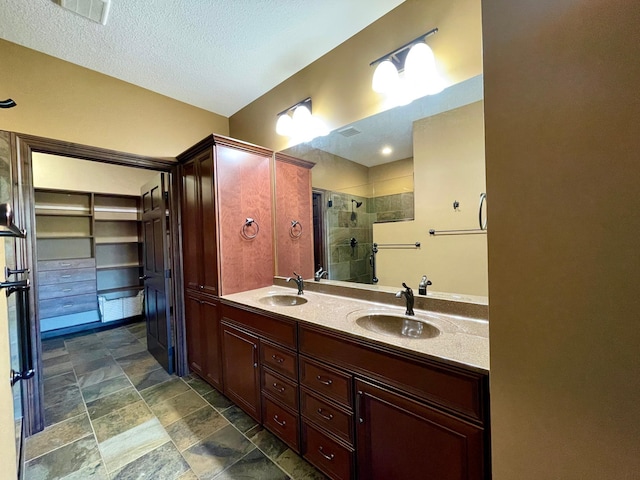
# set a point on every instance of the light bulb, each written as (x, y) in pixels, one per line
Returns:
(385, 77)
(284, 125)
(420, 73)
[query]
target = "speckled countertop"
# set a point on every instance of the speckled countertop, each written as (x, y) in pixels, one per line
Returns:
(462, 341)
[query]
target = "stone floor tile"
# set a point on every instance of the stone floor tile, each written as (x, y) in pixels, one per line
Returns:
(199, 385)
(165, 462)
(217, 400)
(138, 363)
(195, 427)
(93, 365)
(133, 443)
(112, 402)
(93, 392)
(297, 467)
(119, 421)
(164, 391)
(60, 381)
(217, 452)
(57, 435)
(254, 466)
(100, 375)
(150, 378)
(125, 350)
(64, 461)
(177, 407)
(240, 420)
(267, 442)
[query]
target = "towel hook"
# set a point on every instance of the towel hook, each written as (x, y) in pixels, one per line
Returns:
(293, 231)
(248, 223)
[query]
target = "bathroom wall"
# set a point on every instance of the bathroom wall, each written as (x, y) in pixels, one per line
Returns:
(60, 100)
(562, 112)
(64, 173)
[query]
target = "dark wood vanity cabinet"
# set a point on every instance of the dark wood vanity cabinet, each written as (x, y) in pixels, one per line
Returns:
(241, 369)
(202, 321)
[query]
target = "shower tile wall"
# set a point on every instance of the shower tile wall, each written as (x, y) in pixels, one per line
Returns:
(352, 264)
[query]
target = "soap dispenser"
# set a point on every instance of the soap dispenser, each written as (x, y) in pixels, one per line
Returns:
(422, 287)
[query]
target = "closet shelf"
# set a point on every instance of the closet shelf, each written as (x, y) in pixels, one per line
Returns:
(124, 266)
(61, 214)
(63, 237)
(118, 242)
(119, 289)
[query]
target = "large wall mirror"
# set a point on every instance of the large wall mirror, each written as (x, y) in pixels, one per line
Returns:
(382, 183)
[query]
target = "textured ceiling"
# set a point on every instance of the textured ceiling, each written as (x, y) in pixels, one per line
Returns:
(219, 55)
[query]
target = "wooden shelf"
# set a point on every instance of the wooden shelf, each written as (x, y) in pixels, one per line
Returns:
(120, 289)
(63, 237)
(119, 267)
(98, 242)
(134, 220)
(60, 214)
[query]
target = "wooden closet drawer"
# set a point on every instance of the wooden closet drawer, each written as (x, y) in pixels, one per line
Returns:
(44, 265)
(335, 419)
(55, 307)
(66, 289)
(332, 458)
(66, 276)
(279, 359)
(283, 423)
(328, 381)
(279, 387)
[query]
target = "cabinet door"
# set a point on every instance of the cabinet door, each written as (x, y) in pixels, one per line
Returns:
(191, 238)
(209, 263)
(195, 334)
(212, 354)
(241, 369)
(400, 438)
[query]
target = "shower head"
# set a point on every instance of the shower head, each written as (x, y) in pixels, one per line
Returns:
(358, 204)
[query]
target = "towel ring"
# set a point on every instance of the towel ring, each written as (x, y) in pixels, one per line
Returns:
(483, 225)
(249, 222)
(293, 231)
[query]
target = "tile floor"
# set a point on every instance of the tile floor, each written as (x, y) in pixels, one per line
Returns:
(112, 413)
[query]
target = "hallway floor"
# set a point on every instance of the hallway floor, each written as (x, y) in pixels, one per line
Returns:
(112, 413)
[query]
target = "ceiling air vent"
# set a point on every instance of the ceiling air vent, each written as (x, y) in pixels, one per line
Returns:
(349, 131)
(96, 10)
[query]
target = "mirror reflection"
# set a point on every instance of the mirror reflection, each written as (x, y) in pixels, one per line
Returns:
(389, 179)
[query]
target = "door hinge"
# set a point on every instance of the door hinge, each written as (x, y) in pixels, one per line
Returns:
(165, 195)
(167, 273)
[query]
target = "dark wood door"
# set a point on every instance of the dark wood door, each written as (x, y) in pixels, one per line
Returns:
(156, 272)
(209, 248)
(241, 369)
(191, 236)
(195, 334)
(400, 438)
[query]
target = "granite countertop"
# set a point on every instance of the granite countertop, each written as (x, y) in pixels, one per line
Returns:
(462, 341)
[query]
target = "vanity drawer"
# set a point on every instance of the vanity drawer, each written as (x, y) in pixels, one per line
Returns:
(44, 265)
(54, 307)
(279, 387)
(50, 277)
(283, 423)
(279, 359)
(331, 417)
(276, 330)
(329, 456)
(328, 381)
(65, 290)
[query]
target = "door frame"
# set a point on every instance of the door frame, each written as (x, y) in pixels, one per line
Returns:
(22, 147)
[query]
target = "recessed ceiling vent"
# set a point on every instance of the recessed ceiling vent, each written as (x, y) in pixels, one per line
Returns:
(96, 10)
(349, 131)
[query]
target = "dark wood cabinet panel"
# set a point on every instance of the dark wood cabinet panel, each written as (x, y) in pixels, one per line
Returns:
(335, 419)
(199, 244)
(280, 388)
(203, 338)
(279, 359)
(400, 438)
(277, 330)
(328, 381)
(283, 422)
(194, 325)
(460, 391)
(241, 370)
(331, 457)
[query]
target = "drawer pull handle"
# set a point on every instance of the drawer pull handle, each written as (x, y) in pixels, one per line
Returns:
(67, 305)
(281, 423)
(66, 289)
(328, 381)
(278, 388)
(329, 457)
(277, 358)
(65, 264)
(324, 415)
(65, 276)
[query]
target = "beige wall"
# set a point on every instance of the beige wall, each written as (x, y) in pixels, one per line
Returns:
(448, 162)
(339, 83)
(391, 178)
(7, 424)
(52, 171)
(562, 115)
(59, 100)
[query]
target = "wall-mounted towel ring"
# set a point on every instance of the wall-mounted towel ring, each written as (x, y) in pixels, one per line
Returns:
(250, 225)
(296, 229)
(483, 199)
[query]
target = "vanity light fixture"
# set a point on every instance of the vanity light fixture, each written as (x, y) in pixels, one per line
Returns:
(298, 123)
(416, 62)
